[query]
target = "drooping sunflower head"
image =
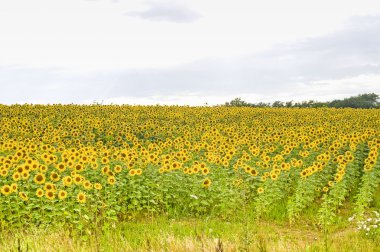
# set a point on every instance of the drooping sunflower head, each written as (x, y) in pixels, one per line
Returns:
(23, 196)
(14, 187)
(206, 183)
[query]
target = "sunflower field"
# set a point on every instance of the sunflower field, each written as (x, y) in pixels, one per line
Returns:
(76, 165)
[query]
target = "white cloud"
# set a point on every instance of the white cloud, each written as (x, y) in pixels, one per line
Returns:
(167, 11)
(96, 35)
(81, 51)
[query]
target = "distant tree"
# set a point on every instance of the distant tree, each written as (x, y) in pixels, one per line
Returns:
(320, 104)
(262, 105)
(278, 104)
(359, 101)
(309, 104)
(289, 104)
(370, 100)
(238, 102)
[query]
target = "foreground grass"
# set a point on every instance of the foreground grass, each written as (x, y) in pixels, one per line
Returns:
(192, 235)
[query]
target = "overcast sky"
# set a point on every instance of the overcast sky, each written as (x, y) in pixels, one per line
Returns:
(187, 52)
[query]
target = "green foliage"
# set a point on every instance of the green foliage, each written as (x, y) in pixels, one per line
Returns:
(366, 101)
(359, 101)
(369, 184)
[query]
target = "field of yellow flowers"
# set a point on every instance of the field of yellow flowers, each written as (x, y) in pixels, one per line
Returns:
(75, 165)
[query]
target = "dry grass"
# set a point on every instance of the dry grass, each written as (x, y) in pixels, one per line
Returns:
(262, 237)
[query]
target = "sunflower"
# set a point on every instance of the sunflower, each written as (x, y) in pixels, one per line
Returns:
(39, 192)
(105, 169)
(260, 190)
(23, 196)
(34, 166)
(20, 169)
(67, 181)
(4, 173)
(254, 172)
(14, 187)
(6, 190)
(25, 175)
(62, 194)
(206, 183)
(274, 176)
(84, 159)
(105, 160)
(338, 177)
(50, 187)
(111, 180)
(16, 176)
(54, 177)
(195, 169)
(132, 172)
(87, 185)
(50, 194)
(43, 168)
(61, 167)
(39, 178)
(98, 186)
(81, 197)
(117, 169)
(78, 168)
(78, 179)
(205, 171)
(304, 174)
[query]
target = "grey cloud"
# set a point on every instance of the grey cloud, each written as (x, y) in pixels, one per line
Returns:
(284, 68)
(344, 54)
(168, 11)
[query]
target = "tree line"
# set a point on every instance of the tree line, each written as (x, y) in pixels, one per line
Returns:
(367, 101)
